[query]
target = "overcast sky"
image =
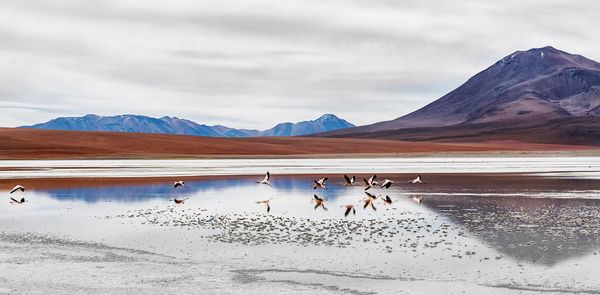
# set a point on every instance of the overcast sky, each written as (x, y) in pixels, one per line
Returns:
(253, 64)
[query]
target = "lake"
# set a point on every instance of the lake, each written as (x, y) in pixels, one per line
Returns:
(499, 226)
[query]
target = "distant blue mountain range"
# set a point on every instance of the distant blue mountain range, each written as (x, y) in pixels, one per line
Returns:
(173, 125)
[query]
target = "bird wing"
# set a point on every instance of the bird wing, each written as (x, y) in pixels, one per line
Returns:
(268, 208)
(386, 184)
(347, 211)
(325, 179)
(372, 178)
(268, 176)
(370, 195)
(388, 199)
(317, 198)
(347, 179)
(366, 182)
(16, 188)
(366, 203)
(14, 200)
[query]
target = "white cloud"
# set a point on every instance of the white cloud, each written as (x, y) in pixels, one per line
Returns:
(255, 63)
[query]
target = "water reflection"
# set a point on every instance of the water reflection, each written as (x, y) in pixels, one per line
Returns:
(197, 189)
(537, 230)
(542, 231)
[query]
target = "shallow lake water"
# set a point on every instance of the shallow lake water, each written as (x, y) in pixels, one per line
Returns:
(496, 233)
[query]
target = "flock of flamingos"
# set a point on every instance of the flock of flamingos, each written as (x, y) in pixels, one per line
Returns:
(368, 201)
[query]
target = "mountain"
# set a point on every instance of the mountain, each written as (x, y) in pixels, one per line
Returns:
(325, 122)
(173, 125)
(524, 88)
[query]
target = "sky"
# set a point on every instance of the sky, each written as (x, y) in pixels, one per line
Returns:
(252, 63)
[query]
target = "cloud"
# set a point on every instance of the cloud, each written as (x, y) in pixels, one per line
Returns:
(255, 63)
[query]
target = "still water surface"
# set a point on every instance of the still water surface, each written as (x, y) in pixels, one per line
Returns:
(501, 234)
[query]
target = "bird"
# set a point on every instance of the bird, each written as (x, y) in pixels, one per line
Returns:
(349, 180)
(368, 201)
(371, 196)
(349, 208)
(177, 184)
(371, 182)
(417, 199)
(18, 202)
(320, 183)
(387, 183)
(416, 180)
(319, 202)
(387, 200)
(266, 179)
(179, 201)
(266, 203)
(18, 187)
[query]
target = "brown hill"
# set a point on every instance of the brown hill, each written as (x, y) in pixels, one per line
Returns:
(51, 144)
(583, 131)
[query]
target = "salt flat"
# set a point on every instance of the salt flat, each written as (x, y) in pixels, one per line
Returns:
(564, 166)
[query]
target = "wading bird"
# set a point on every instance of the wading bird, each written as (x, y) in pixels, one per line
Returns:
(417, 180)
(387, 183)
(349, 180)
(266, 179)
(348, 209)
(177, 184)
(319, 202)
(17, 188)
(266, 203)
(320, 183)
(370, 182)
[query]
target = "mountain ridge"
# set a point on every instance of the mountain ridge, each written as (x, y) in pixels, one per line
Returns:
(174, 125)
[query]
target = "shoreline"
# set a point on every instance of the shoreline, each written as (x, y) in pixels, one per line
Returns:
(92, 172)
(465, 179)
(579, 151)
